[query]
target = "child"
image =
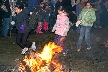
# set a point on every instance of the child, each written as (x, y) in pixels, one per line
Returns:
(40, 12)
(46, 17)
(61, 28)
(21, 24)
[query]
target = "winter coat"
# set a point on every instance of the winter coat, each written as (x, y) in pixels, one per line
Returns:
(22, 19)
(62, 25)
(40, 14)
(72, 16)
(90, 16)
(47, 13)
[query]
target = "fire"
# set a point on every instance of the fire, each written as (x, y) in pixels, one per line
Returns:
(45, 61)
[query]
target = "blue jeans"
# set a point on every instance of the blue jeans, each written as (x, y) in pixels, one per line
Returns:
(5, 28)
(84, 31)
(59, 40)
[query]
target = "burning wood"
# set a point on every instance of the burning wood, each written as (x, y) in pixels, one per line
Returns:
(45, 61)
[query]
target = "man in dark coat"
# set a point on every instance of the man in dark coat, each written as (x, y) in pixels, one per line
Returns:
(57, 5)
(5, 13)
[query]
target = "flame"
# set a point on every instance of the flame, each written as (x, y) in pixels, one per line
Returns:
(43, 61)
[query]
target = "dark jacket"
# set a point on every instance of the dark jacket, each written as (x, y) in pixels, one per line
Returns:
(22, 19)
(40, 13)
(46, 15)
(4, 14)
(72, 16)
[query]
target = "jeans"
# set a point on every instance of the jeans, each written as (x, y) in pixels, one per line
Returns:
(84, 31)
(22, 40)
(59, 40)
(5, 28)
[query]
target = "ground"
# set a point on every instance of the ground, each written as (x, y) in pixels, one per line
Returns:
(94, 60)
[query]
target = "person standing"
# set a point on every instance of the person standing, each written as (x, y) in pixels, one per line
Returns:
(81, 5)
(87, 18)
(40, 14)
(57, 5)
(98, 13)
(5, 13)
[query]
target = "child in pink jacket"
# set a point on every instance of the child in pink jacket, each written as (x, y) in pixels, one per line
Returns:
(61, 28)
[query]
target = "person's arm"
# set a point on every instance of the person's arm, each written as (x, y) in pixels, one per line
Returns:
(67, 25)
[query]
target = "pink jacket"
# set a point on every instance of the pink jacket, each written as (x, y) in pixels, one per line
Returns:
(62, 24)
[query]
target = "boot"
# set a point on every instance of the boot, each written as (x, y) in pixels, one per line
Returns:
(46, 26)
(39, 30)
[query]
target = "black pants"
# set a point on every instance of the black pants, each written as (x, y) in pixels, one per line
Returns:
(22, 40)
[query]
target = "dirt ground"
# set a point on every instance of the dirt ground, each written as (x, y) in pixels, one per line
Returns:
(94, 60)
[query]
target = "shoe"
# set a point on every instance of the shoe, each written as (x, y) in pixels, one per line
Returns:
(89, 48)
(99, 27)
(24, 51)
(95, 26)
(78, 49)
(33, 46)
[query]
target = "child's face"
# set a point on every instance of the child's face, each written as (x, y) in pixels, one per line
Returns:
(60, 12)
(47, 7)
(17, 10)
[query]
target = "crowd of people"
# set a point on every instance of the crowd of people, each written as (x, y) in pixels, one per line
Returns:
(43, 13)
(52, 15)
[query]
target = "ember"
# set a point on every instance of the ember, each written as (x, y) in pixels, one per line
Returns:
(45, 61)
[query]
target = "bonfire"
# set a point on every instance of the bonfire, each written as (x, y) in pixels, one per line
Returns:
(44, 61)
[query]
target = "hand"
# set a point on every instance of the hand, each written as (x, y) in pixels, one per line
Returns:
(70, 23)
(12, 22)
(79, 19)
(88, 22)
(65, 34)
(52, 30)
(73, 12)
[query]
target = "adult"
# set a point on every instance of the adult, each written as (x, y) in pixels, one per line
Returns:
(48, 2)
(73, 17)
(88, 17)
(57, 5)
(98, 13)
(81, 5)
(5, 13)
(103, 15)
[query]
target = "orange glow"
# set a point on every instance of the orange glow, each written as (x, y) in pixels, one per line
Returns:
(43, 61)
